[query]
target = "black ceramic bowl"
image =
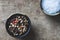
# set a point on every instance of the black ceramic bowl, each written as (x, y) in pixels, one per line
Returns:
(49, 9)
(8, 23)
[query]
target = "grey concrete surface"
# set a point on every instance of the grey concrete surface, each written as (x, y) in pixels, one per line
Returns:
(43, 27)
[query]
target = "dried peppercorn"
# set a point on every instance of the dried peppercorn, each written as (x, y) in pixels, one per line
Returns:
(18, 25)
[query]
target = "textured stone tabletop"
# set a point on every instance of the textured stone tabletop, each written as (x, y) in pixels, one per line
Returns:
(43, 27)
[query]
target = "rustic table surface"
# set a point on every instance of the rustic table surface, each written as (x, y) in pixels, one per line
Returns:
(43, 27)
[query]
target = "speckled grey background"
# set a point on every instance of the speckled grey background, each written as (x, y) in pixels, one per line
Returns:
(43, 27)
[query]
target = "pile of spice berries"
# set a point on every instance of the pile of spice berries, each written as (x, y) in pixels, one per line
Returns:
(18, 25)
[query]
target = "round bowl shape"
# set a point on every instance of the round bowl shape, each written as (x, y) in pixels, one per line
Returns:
(50, 7)
(9, 20)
